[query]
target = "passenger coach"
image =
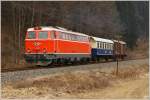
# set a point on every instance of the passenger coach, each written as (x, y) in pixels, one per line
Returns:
(101, 48)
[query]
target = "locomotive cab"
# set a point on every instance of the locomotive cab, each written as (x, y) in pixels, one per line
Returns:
(39, 44)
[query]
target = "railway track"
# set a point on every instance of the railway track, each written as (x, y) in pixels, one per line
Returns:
(104, 67)
(58, 65)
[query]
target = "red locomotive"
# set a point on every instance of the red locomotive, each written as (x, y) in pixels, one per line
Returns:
(45, 45)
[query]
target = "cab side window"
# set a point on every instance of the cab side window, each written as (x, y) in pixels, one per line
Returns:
(52, 35)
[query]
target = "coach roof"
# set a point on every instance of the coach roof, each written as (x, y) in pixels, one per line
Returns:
(122, 42)
(102, 40)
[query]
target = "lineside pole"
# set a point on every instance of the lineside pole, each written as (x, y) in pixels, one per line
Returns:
(117, 67)
(117, 59)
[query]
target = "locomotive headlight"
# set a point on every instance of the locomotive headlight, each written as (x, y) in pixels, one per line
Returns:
(28, 50)
(44, 50)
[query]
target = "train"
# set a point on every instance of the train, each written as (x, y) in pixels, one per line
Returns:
(45, 45)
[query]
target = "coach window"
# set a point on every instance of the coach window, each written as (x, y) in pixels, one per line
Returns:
(106, 45)
(109, 46)
(99, 44)
(102, 45)
(31, 35)
(43, 35)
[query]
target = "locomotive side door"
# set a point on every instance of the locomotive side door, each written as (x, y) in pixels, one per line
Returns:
(54, 44)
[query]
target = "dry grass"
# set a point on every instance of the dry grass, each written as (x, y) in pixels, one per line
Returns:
(132, 72)
(82, 80)
(71, 83)
(68, 82)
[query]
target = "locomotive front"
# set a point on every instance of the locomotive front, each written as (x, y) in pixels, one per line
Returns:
(38, 45)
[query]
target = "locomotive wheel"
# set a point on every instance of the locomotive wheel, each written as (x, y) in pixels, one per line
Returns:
(44, 63)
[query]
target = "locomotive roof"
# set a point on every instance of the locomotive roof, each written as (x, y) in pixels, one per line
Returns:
(102, 40)
(49, 28)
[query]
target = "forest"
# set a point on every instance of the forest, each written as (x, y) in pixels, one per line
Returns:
(123, 20)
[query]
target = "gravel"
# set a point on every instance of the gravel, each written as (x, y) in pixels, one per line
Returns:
(104, 67)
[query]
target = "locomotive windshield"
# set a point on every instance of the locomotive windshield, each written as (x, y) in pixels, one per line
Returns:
(31, 35)
(43, 35)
